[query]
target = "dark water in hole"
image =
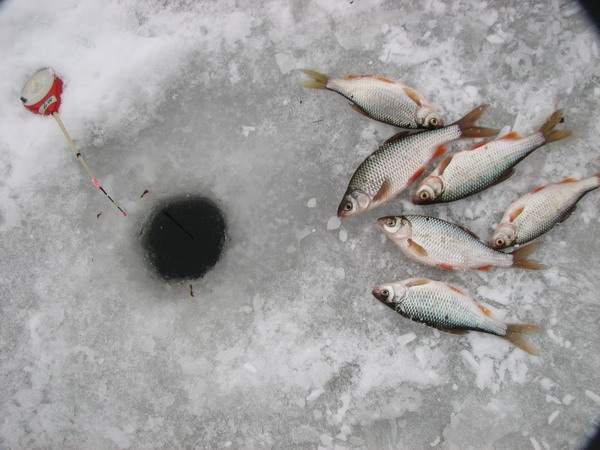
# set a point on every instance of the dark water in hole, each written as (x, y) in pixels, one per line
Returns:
(184, 239)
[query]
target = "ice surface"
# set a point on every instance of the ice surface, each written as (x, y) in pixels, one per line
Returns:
(282, 345)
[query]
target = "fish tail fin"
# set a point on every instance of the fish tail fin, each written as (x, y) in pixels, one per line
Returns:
(467, 128)
(520, 260)
(319, 80)
(515, 334)
(550, 134)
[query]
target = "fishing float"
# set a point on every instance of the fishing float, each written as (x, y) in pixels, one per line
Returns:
(41, 95)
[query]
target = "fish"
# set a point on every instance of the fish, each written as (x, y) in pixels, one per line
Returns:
(539, 211)
(471, 171)
(449, 309)
(400, 161)
(380, 99)
(442, 244)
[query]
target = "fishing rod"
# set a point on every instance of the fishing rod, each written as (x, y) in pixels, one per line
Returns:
(41, 95)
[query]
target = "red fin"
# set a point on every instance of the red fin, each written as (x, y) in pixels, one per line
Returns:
(444, 164)
(569, 180)
(512, 135)
(479, 145)
(384, 190)
(351, 77)
(416, 176)
(456, 290)
(416, 248)
(486, 311)
(440, 151)
(538, 189)
(445, 266)
(385, 80)
(516, 214)
(484, 268)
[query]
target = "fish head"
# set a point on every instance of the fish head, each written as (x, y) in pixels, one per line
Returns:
(395, 226)
(427, 117)
(354, 203)
(429, 189)
(389, 294)
(505, 236)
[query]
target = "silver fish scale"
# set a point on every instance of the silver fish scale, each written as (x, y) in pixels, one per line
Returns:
(448, 244)
(442, 308)
(472, 171)
(399, 160)
(383, 101)
(546, 208)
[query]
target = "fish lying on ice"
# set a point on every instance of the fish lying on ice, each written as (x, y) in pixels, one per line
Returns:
(468, 172)
(438, 243)
(539, 211)
(400, 161)
(447, 308)
(380, 99)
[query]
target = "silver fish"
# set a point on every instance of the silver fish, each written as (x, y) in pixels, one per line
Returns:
(447, 308)
(380, 99)
(438, 243)
(402, 160)
(539, 211)
(468, 172)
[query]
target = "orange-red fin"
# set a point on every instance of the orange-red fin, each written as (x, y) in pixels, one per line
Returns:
(485, 310)
(456, 290)
(416, 248)
(512, 135)
(484, 268)
(352, 77)
(444, 164)
(569, 180)
(384, 191)
(385, 80)
(445, 266)
(442, 149)
(478, 145)
(418, 282)
(538, 189)
(416, 175)
(413, 96)
(516, 213)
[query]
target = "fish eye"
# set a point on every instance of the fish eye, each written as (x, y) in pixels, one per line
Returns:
(391, 222)
(433, 122)
(385, 293)
(500, 242)
(424, 195)
(348, 206)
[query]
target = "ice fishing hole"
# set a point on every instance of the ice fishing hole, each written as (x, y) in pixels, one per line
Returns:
(184, 237)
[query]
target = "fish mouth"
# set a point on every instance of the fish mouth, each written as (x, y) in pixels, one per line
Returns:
(381, 224)
(377, 294)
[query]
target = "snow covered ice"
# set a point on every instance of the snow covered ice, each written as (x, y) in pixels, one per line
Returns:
(282, 345)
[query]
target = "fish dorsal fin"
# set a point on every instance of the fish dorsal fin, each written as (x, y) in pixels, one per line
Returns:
(413, 96)
(516, 213)
(469, 232)
(512, 135)
(416, 248)
(456, 290)
(479, 145)
(352, 77)
(454, 331)
(418, 282)
(538, 189)
(568, 214)
(358, 109)
(569, 180)
(505, 176)
(486, 311)
(385, 80)
(384, 191)
(398, 135)
(444, 164)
